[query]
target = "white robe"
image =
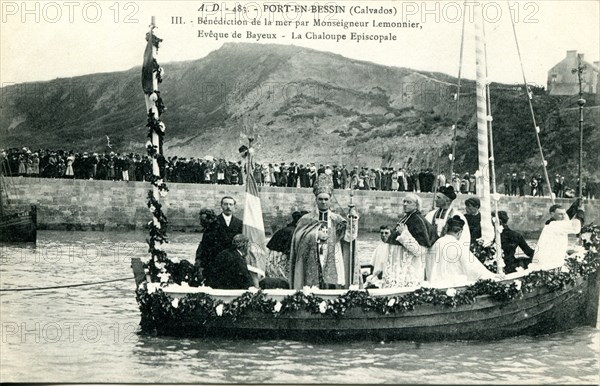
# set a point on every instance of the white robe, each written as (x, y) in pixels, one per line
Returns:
(553, 243)
(402, 265)
(440, 223)
(452, 264)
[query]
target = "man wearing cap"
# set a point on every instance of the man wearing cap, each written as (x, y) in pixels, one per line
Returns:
(439, 216)
(320, 250)
(444, 199)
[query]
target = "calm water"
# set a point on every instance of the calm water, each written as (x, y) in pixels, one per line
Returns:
(88, 334)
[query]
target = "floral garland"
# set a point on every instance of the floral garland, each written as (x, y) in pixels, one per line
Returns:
(159, 308)
(158, 265)
(486, 254)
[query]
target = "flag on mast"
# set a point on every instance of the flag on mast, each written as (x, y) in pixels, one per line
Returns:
(254, 227)
(148, 66)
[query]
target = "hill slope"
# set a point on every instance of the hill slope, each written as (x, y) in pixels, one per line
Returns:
(307, 106)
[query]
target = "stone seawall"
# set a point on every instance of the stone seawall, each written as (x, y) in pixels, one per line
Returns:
(108, 205)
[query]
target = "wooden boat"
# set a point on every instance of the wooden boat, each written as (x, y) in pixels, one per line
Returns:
(524, 302)
(19, 226)
(15, 225)
(193, 311)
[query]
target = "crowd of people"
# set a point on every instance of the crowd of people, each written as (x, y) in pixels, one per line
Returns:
(208, 170)
(521, 185)
(315, 248)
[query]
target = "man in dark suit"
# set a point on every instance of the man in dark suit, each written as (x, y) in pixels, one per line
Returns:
(292, 179)
(229, 269)
(510, 240)
(218, 236)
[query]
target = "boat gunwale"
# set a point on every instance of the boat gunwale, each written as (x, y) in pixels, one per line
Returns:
(358, 314)
(180, 291)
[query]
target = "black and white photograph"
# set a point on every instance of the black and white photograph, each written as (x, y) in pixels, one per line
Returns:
(300, 192)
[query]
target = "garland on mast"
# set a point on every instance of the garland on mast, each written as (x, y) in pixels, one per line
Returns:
(158, 266)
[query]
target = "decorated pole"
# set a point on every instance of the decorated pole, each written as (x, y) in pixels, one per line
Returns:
(158, 266)
(482, 174)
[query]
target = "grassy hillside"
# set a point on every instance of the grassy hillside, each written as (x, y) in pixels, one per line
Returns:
(307, 106)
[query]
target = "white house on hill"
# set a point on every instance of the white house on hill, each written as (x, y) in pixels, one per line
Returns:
(562, 80)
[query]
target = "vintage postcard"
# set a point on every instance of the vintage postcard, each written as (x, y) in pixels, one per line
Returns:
(299, 191)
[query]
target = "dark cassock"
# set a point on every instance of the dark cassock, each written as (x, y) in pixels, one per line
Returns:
(282, 239)
(418, 226)
(474, 222)
(320, 249)
(473, 217)
(279, 249)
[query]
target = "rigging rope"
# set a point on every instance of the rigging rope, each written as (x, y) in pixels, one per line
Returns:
(455, 128)
(529, 98)
(64, 286)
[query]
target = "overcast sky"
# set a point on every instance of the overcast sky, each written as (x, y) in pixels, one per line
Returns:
(47, 40)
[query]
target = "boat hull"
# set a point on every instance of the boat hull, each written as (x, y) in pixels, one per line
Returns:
(19, 227)
(538, 312)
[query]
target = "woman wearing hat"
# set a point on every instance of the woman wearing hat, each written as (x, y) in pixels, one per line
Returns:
(69, 172)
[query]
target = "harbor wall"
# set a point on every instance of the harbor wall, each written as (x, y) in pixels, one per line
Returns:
(118, 205)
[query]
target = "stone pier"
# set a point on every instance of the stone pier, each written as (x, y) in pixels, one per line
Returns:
(118, 205)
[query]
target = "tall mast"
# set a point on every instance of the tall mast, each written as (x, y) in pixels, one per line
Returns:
(151, 107)
(483, 183)
(457, 100)
(151, 77)
(497, 237)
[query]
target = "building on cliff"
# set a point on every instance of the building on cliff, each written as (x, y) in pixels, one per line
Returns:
(562, 80)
